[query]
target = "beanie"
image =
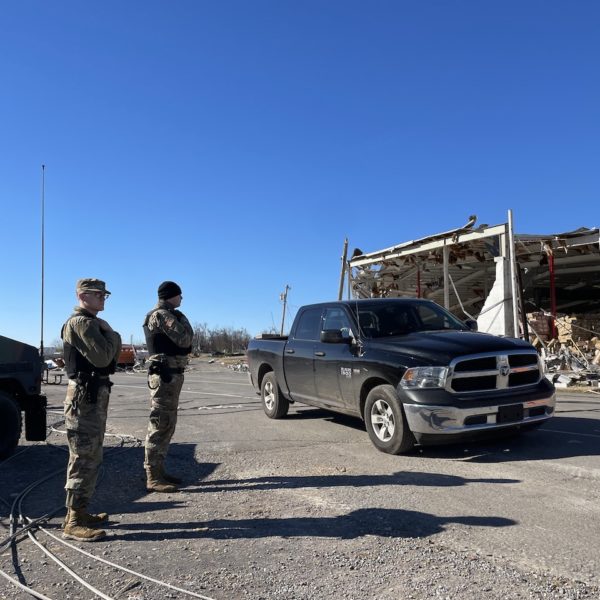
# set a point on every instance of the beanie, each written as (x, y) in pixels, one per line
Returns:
(168, 289)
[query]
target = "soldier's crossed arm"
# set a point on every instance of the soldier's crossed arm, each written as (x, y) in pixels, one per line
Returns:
(179, 331)
(183, 320)
(99, 347)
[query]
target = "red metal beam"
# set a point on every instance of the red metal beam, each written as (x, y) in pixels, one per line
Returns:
(552, 296)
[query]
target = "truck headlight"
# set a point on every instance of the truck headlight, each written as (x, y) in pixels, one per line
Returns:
(424, 377)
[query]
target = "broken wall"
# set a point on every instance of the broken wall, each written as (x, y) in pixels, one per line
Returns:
(496, 316)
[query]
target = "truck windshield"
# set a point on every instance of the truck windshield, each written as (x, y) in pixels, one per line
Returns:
(388, 319)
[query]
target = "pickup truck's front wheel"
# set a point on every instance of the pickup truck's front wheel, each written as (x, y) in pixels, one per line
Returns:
(385, 421)
(274, 404)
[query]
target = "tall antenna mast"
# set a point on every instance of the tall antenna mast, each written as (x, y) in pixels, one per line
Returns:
(42, 318)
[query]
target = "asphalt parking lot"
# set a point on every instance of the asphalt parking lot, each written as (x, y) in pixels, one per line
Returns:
(306, 507)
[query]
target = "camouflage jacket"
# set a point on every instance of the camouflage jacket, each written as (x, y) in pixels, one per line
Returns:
(84, 331)
(174, 324)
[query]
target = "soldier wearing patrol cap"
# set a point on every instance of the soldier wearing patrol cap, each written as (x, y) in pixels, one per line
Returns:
(169, 340)
(91, 350)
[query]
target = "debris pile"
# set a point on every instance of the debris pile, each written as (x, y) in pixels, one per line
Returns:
(240, 367)
(489, 273)
(573, 357)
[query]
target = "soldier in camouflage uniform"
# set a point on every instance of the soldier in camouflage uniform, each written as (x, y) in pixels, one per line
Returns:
(169, 340)
(91, 350)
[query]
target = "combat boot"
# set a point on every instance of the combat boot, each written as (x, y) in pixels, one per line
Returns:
(95, 519)
(155, 483)
(168, 477)
(89, 518)
(76, 527)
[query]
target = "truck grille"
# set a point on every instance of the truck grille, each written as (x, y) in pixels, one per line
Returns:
(484, 372)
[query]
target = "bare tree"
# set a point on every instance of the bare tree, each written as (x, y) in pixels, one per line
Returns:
(200, 340)
(224, 340)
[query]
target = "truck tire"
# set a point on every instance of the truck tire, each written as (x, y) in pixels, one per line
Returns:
(385, 421)
(274, 404)
(10, 424)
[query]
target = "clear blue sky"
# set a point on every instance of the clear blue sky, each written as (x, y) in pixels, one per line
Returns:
(231, 146)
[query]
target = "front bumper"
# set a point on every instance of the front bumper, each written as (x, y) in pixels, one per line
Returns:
(449, 422)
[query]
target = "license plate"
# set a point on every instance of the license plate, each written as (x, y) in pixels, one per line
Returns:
(510, 414)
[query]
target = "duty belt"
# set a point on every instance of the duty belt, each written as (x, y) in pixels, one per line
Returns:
(83, 378)
(165, 372)
(89, 384)
(172, 370)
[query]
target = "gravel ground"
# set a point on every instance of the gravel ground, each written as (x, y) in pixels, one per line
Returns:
(264, 520)
(226, 543)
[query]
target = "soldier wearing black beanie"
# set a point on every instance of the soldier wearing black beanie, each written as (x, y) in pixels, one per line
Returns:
(169, 340)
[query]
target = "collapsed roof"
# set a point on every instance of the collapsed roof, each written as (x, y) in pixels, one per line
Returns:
(460, 268)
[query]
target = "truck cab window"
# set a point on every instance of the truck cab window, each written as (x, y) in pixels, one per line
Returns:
(335, 318)
(434, 320)
(369, 323)
(309, 325)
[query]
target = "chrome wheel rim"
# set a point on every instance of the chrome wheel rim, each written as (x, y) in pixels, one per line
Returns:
(269, 395)
(382, 420)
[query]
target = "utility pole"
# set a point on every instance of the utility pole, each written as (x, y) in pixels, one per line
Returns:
(283, 297)
(344, 257)
(513, 275)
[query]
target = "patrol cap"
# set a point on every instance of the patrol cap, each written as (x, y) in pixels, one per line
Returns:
(91, 285)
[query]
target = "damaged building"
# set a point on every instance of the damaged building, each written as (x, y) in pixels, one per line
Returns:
(545, 288)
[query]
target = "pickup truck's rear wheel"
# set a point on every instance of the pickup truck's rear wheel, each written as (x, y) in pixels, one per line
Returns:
(274, 404)
(10, 424)
(385, 421)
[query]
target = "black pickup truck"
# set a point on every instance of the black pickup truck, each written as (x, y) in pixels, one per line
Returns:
(410, 369)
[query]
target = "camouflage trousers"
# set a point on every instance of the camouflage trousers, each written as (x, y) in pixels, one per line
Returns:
(85, 423)
(163, 418)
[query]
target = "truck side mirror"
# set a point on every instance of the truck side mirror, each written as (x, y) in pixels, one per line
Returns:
(334, 336)
(471, 324)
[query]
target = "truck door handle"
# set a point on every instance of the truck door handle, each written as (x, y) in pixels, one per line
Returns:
(290, 351)
(320, 353)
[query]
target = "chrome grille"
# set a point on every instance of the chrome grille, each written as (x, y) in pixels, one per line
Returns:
(493, 371)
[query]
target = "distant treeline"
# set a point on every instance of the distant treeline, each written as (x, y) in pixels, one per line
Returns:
(223, 339)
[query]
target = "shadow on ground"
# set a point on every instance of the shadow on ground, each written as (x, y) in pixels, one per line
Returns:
(307, 414)
(561, 437)
(120, 484)
(381, 522)
(332, 481)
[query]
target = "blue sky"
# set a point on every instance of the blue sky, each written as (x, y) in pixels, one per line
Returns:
(231, 146)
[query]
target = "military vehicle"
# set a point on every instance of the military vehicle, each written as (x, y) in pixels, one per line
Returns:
(20, 387)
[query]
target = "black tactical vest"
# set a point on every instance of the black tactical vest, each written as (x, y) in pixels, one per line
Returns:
(75, 362)
(160, 343)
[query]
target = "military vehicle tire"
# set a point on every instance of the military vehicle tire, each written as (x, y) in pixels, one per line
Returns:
(274, 404)
(385, 421)
(10, 424)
